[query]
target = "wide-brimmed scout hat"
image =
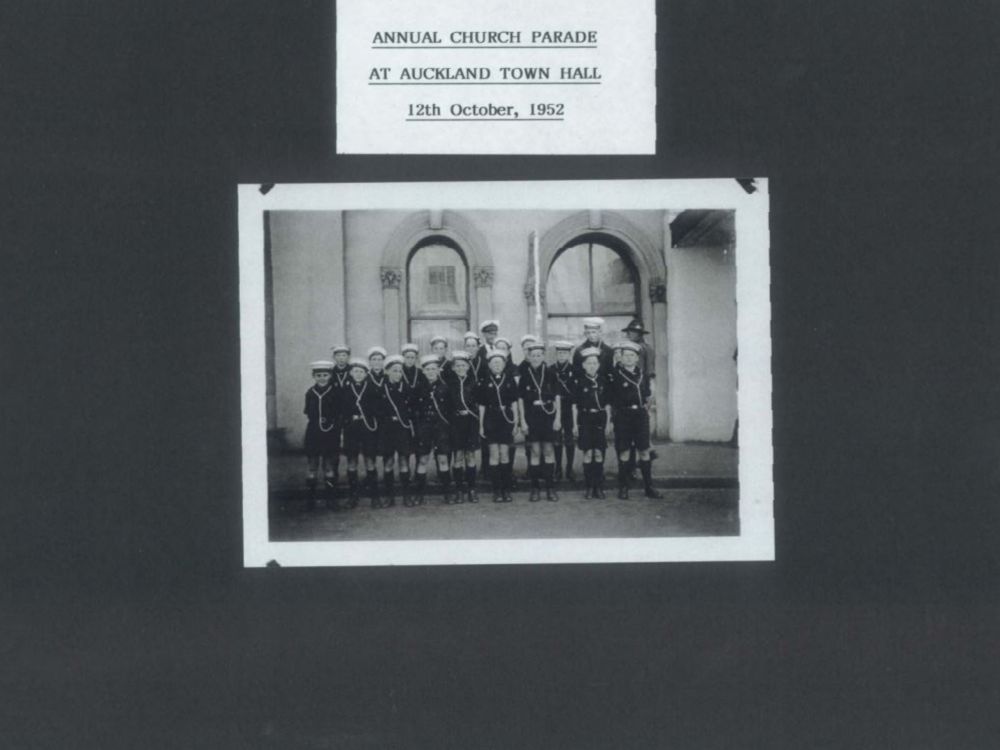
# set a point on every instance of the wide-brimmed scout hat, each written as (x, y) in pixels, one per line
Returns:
(635, 326)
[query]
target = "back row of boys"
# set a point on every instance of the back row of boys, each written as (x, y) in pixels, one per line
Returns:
(393, 407)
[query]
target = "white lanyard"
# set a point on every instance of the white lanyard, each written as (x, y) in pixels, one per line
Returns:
(538, 387)
(320, 404)
(597, 398)
(342, 377)
(496, 386)
(461, 392)
(416, 374)
(636, 383)
(435, 402)
(388, 393)
(357, 402)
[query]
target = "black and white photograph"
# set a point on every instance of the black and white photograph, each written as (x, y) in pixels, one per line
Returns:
(497, 372)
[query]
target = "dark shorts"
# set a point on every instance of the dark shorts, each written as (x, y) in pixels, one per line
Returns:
(433, 437)
(592, 425)
(359, 439)
(540, 429)
(497, 428)
(465, 433)
(631, 429)
(320, 443)
(394, 438)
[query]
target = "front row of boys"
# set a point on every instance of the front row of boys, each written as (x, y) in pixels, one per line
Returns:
(453, 409)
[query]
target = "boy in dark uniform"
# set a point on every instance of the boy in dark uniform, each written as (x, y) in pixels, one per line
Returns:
(361, 404)
(630, 397)
(411, 370)
(464, 427)
(566, 380)
(322, 439)
(592, 420)
(540, 419)
(341, 377)
(431, 409)
(498, 416)
(593, 329)
(376, 363)
(395, 431)
(477, 362)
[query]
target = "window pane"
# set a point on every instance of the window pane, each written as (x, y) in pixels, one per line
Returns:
(437, 282)
(422, 331)
(568, 286)
(614, 283)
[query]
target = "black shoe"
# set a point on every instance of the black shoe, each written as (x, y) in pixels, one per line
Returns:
(507, 497)
(535, 495)
(551, 495)
(558, 472)
(570, 475)
(498, 496)
(599, 492)
(471, 496)
(652, 493)
(588, 493)
(623, 493)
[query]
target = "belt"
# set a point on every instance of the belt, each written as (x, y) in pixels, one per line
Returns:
(630, 407)
(593, 411)
(393, 419)
(355, 418)
(464, 413)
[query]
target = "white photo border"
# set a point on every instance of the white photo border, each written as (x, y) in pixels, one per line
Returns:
(753, 322)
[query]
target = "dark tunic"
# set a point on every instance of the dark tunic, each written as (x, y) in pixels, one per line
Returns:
(431, 409)
(412, 376)
(322, 410)
(361, 405)
(538, 390)
(630, 394)
(498, 393)
(464, 416)
(396, 429)
(566, 381)
(590, 399)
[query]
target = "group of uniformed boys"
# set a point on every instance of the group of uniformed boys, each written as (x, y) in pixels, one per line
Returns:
(464, 407)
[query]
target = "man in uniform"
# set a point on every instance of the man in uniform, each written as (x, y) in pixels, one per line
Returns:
(593, 332)
(634, 331)
(630, 399)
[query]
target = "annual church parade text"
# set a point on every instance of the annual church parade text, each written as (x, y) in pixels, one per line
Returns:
(498, 38)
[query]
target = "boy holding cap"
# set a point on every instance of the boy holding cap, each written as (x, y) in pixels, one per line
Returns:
(322, 439)
(566, 381)
(465, 441)
(630, 398)
(432, 405)
(361, 405)
(540, 419)
(395, 431)
(498, 416)
(592, 420)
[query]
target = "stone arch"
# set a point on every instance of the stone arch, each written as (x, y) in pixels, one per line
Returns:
(649, 262)
(410, 232)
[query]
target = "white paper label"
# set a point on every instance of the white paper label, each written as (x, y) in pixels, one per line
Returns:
(496, 77)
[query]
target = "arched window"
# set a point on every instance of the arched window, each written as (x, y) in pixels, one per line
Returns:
(590, 276)
(437, 293)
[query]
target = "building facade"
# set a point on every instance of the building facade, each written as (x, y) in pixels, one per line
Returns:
(374, 277)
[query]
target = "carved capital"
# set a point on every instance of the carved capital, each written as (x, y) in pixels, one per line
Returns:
(529, 294)
(391, 277)
(657, 291)
(482, 276)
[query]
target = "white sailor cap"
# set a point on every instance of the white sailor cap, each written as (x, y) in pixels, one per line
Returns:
(593, 322)
(436, 339)
(460, 356)
(590, 351)
(496, 354)
(618, 345)
(358, 362)
(340, 349)
(501, 340)
(429, 359)
(489, 324)
(470, 335)
(534, 344)
(563, 346)
(528, 337)
(409, 348)
(321, 364)
(395, 359)
(629, 346)
(377, 350)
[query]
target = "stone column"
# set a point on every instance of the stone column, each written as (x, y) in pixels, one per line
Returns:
(392, 321)
(658, 301)
(482, 295)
